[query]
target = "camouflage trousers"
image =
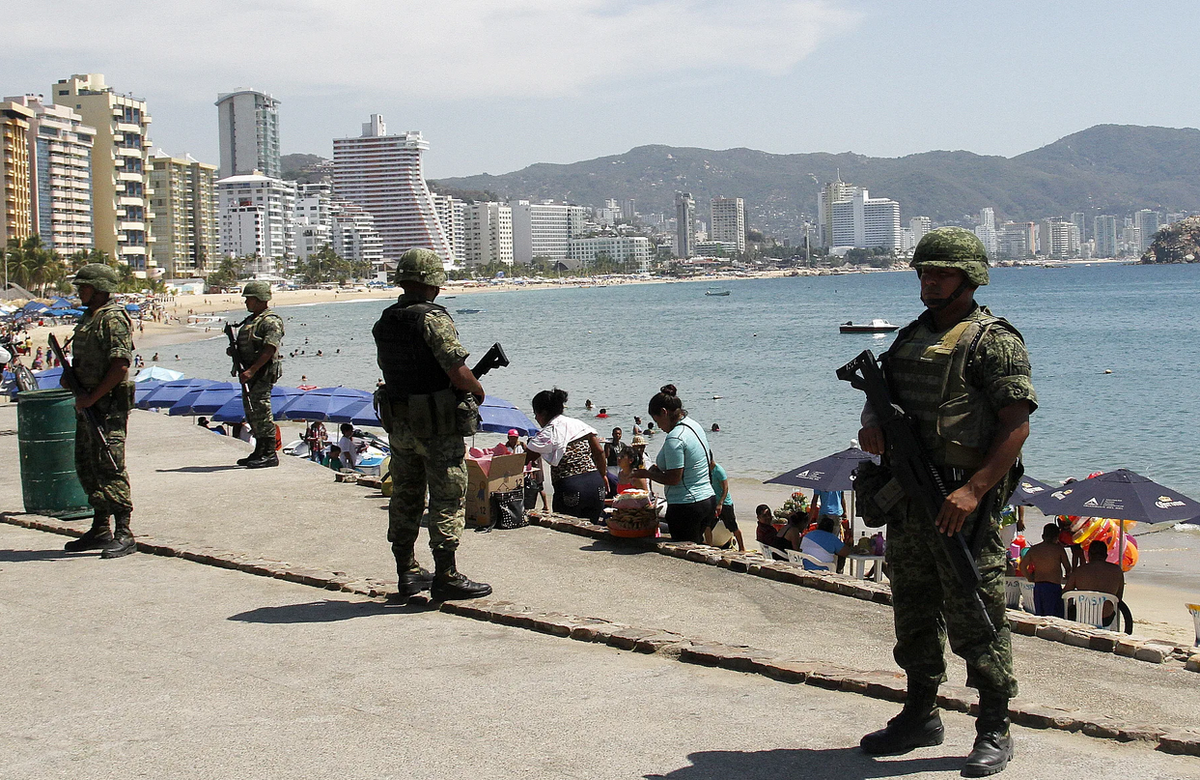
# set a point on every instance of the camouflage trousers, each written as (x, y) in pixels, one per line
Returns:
(256, 402)
(420, 463)
(107, 488)
(929, 604)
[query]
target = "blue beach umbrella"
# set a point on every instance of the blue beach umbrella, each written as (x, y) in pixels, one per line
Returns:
(361, 412)
(49, 377)
(132, 307)
(833, 472)
(232, 411)
(500, 416)
(317, 404)
(143, 389)
(1121, 495)
(158, 373)
(205, 400)
(168, 393)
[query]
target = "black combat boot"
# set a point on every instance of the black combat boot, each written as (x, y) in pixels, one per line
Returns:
(918, 725)
(449, 585)
(255, 455)
(993, 744)
(122, 541)
(411, 579)
(266, 458)
(96, 538)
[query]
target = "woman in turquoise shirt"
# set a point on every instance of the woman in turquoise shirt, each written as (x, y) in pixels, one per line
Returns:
(683, 466)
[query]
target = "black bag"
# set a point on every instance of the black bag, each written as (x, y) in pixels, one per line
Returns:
(508, 509)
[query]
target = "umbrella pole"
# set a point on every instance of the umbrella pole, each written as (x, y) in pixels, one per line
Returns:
(1121, 546)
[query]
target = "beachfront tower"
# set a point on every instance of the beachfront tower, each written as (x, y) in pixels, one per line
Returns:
(685, 225)
(15, 187)
(248, 124)
(729, 223)
(383, 174)
(185, 215)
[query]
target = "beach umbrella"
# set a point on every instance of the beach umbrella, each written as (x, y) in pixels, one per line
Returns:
(33, 307)
(132, 307)
(158, 373)
(49, 377)
(168, 393)
(360, 412)
(205, 400)
(232, 411)
(59, 302)
(142, 389)
(833, 472)
(500, 416)
(1028, 489)
(317, 404)
(1120, 495)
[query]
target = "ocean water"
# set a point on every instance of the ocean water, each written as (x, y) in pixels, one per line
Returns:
(761, 361)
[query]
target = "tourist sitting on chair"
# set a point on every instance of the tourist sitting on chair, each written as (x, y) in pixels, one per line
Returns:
(824, 545)
(1098, 575)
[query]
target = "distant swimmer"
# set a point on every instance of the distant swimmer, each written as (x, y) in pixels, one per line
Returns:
(716, 428)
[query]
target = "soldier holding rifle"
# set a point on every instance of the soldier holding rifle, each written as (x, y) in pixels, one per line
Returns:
(961, 377)
(103, 351)
(257, 366)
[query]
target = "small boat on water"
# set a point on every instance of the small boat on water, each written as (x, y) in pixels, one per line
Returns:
(713, 291)
(468, 311)
(874, 326)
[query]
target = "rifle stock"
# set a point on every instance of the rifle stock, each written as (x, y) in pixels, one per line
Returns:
(920, 479)
(88, 415)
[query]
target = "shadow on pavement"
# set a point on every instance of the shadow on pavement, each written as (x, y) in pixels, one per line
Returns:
(326, 611)
(616, 549)
(198, 469)
(848, 763)
(22, 556)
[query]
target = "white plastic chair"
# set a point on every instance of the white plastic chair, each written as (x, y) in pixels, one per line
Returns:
(1195, 610)
(1027, 596)
(1012, 592)
(771, 553)
(799, 558)
(1089, 608)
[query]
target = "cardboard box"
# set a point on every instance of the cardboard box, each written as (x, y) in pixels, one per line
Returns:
(502, 474)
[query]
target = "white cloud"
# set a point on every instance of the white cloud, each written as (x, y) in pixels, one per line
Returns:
(449, 49)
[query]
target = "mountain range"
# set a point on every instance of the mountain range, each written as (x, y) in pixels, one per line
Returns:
(1106, 169)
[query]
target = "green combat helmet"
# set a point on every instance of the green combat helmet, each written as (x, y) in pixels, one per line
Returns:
(420, 265)
(98, 276)
(260, 290)
(953, 247)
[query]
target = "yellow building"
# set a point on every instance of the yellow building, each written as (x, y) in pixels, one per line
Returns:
(15, 184)
(185, 215)
(120, 162)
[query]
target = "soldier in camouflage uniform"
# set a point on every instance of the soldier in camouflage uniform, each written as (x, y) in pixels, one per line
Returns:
(963, 375)
(102, 350)
(258, 349)
(426, 407)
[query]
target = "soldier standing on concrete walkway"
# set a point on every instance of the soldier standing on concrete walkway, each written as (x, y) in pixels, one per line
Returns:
(258, 340)
(102, 347)
(427, 405)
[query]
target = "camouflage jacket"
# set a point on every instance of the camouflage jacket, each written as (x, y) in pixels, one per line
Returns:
(102, 336)
(256, 333)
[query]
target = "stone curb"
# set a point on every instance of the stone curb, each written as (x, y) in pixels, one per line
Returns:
(888, 686)
(1147, 649)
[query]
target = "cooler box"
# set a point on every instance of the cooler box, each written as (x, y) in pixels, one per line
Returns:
(487, 475)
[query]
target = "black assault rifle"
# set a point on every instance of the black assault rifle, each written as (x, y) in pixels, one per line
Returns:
(493, 358)
(88, 415)
(919, 478)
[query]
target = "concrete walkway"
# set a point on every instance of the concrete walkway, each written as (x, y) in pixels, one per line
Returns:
(185, 489)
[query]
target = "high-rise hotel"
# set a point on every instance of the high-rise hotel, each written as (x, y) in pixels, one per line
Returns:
(248, 127)
(383, 174)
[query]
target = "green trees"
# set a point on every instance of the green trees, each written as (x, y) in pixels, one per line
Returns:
(32, 264)
(227, 273)
(328, 266)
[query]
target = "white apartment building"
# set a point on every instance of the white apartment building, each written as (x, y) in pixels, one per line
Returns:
(1016, 240)
(256, 217)
(354, 236)
(383, 174)
(185, 215)
(120, 159)
(544, 230)
(1058, 238)
(248, 128)
(1104, 231)
(450, 214)
(60, 161)
(986, 230)
(1148, 222)
(685, 225)
(919, 227)
(632, 251)
(836, 191)
(729, 222)
(488, 234)
(865, 222)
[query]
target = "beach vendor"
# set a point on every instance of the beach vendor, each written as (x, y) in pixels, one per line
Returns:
(425, 409)
(258, 339)
(102, 347)
(684, 465)
(963, 375)
(578, 471)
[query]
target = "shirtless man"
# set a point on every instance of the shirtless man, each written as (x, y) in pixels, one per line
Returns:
(1046, 565)
(1098, 575)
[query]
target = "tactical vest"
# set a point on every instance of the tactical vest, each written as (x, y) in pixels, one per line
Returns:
(408, 364)
(89, 351)
(927, 374)
(250, 344)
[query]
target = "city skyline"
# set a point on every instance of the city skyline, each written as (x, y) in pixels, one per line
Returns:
(563, 98)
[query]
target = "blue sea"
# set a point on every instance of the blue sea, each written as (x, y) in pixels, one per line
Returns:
(761, 361)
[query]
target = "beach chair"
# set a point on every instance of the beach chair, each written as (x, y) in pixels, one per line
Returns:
(1089, 608)
(1027, 595)
(771, 553)
(799, 558)
(1012, 592)
(1195, 610)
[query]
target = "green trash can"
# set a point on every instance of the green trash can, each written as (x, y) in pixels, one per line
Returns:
(46, 440)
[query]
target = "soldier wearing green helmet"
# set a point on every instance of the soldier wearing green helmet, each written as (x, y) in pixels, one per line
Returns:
(258, 350)
(963, 376)
(102, 351)
(427, 405)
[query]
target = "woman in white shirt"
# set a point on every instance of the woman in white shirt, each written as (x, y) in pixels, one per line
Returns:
(575, 454)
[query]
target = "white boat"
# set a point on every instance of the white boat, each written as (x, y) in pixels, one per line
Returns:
(874, 326)
(715, 292)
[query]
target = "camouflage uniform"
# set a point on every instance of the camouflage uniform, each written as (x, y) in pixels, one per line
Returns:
(256, 333)
(929, 603)
(434, 462)
(102, 336)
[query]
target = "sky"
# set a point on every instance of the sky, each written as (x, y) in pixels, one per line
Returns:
(495, 85)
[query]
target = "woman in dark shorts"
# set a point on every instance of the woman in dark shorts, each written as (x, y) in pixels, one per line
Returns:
(683, 465)
(576, 457)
